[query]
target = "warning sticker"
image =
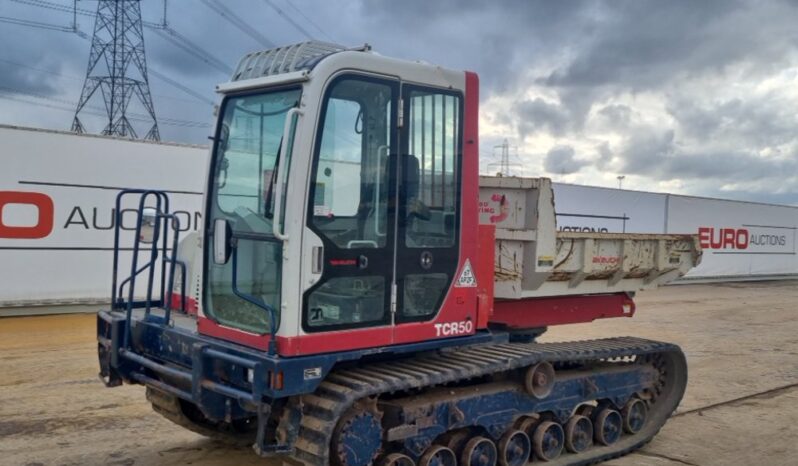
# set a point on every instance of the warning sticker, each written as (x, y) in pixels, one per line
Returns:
(467, 278)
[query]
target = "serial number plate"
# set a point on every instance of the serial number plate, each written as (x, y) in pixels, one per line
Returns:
(313, 373)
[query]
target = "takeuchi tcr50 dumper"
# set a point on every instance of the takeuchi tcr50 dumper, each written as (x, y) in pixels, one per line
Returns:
(359, 295)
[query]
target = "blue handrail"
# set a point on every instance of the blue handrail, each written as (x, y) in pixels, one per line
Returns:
(118, 214)
(175, 235)
(163, 216)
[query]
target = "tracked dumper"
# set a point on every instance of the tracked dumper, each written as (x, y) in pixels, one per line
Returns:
(359, 295)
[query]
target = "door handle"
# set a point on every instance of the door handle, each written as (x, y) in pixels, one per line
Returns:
(279, 179)
(317, 259)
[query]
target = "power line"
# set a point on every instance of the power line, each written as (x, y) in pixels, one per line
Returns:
(239, 23)
(73, 10)
(13, 94)
(173, 36)
(56, 7)
(183, 88)
(41, 104)
(36, 24)
(189, 47)
(54, 73)
(139, 116)
(312, 23)
(288, 18)
(82, 35)
(80, 78)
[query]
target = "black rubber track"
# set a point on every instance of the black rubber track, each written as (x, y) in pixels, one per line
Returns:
(322, 409)
(169, 407)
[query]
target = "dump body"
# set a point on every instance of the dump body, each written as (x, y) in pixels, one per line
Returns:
(533, 259)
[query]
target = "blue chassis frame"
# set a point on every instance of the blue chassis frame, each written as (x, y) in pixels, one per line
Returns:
(207, 371)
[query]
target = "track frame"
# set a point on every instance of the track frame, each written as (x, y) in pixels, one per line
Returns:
(296, 403)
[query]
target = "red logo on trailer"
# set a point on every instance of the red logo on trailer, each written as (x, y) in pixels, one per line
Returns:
(503, 209)
(44, 222)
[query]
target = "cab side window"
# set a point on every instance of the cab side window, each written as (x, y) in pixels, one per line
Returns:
(431, 170)
(350, 202)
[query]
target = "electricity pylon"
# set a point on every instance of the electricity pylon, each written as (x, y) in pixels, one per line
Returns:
(118, 69)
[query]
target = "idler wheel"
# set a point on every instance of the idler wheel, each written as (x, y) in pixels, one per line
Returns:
(578, 434)
(635, 415)
(539, 380)
(548, 440)
(438, 455)
(514, 448)
(397, 459)
(357, 439)
(607, 426)
(479, 451)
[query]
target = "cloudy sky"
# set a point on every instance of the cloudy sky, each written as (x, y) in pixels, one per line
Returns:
(694, 97)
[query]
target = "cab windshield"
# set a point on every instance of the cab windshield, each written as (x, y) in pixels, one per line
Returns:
(243, 181)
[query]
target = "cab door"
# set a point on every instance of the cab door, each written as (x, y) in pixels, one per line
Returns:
(352, 207)
(428, 214)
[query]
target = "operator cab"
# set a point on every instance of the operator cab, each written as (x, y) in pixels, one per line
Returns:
(335, 213)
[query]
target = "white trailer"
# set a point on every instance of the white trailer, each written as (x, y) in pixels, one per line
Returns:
(57, 193)
(81, 174)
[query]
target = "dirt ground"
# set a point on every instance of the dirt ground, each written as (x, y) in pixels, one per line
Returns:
(741, 342)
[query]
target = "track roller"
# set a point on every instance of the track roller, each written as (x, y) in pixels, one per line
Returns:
(607, 426)
(438, 455)
(479, 451)
(514, 448)
(539, 380)
(635, 415)
(527, 424)
(455, 440)
(397, 459)
(548, 440)
(578, 434)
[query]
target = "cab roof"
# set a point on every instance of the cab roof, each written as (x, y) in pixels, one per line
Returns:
(287, 59)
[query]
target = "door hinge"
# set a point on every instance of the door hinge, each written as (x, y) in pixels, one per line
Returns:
(401, 115)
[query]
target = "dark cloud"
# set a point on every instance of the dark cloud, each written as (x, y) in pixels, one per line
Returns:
(659, 156)
(499, 40)
(617, 115)
(605, 156)
(757, 121)
(14, 79)
(782, 194)
(640, 45)
(20, 57)
(538, 115)
(561, 160)
(646, 151)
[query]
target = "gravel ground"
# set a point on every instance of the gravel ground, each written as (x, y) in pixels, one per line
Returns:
(741, 342)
